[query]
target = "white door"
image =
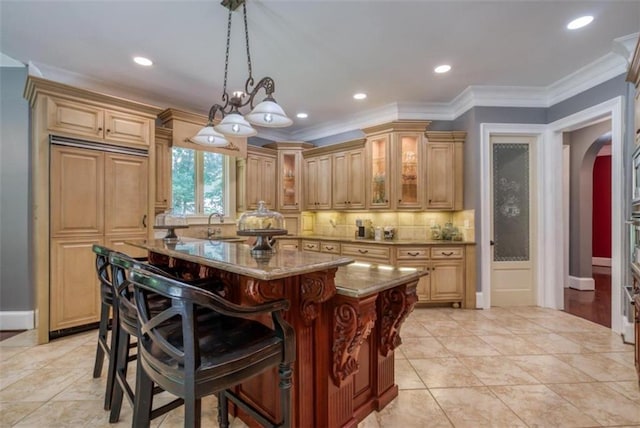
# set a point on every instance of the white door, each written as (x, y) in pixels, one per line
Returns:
(512, 220)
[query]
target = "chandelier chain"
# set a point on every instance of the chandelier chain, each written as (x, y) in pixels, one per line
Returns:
(246, 36)
(226, 58)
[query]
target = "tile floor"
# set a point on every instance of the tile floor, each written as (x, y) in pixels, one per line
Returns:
(501, 367)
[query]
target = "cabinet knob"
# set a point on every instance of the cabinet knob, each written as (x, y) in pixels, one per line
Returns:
(108, 130)
(100, 129)
(399, 200)
(429, 200)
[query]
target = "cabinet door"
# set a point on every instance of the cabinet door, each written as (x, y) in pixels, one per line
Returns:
(340, 180)
(74, 286)
(447, 280)
(163, 175)
(75, 118)
(77, 191)
(310, 183)
(356, 180)
(126, 129)
(126, 200)
(268, 182)
(379, 172)
(408, 173)
(323, 183)
(289, 180)
(253, 185)
(440, 176)
(423, 289)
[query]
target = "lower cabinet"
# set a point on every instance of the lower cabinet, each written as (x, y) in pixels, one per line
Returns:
(447, 280)
(74, 289)
(637, 333)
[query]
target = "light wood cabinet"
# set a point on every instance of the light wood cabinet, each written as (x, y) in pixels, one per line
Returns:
(289, 174)
(125, 196)
(94, 189)
(349, 180)
(444, 175)
(318, 182)
(163, 170)
(77, 191)
(257, 179)
(366, 252)
(395, 165)
(74, 285)
(447, 280)
(94, 122)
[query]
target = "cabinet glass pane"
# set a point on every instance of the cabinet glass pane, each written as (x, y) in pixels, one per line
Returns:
(289, 179)
(409, 169)
(379, 171)
(511, 202)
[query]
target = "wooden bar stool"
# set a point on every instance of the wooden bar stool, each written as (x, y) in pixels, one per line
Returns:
(191, 357)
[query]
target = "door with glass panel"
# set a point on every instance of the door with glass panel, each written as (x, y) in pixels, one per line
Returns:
(512, 221)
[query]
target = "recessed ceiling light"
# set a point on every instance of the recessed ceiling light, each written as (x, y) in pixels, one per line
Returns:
(442, 68)
(359, 96)
(580, 22)
(140, 60)
(302, 115)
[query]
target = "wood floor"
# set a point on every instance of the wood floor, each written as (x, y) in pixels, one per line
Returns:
(592, 305)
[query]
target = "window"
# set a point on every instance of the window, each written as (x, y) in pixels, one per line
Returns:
(201, 182)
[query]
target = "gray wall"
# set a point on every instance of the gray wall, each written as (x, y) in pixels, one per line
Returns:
(16, 290)
(584, 145)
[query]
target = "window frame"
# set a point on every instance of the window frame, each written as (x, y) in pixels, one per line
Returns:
(229, 172)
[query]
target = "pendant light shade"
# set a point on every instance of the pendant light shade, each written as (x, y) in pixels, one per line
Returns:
(208, 136)
(234, 125)
(268, 114)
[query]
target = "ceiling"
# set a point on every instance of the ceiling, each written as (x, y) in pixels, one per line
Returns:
(319, 52)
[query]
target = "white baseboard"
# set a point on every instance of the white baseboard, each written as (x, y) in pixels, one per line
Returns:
(582, 284)
(628, 335)
(16, 320)
(601, 261)
(479, 300)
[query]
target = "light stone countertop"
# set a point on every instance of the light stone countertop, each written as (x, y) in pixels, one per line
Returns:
(237, 258)
(373, 241)
(363, 279)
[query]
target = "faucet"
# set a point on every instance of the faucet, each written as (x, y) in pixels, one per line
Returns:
(210, 232)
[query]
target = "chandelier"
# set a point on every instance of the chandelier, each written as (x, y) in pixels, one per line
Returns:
(267, 113)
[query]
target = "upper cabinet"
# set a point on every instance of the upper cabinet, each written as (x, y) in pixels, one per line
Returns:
(317, 171)
(289, 174)
(444, 170)
(256, 178)
(163, 169)
(90, 121)
(349, 178)
(395, 165)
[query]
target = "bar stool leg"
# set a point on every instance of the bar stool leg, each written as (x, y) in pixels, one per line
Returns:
(143, 400)
(223, 410)
(122, 358)
(102, 339)
(285, 373)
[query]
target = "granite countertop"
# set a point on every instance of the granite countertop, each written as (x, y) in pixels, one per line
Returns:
(363, 279)
(372, 241)
(237, 258)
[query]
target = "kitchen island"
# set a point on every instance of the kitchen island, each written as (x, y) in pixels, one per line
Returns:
(347, 319)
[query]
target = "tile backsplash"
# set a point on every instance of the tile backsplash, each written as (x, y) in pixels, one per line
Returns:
(408, 225)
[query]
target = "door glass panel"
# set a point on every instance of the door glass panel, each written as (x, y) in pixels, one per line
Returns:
(511, 202)
(409, 179)
(288, 179)
(379, 171)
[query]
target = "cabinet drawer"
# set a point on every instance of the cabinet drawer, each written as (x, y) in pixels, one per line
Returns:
(330, 247)
(310, 245)
(447, 253)
(412, 253)
(367, 252)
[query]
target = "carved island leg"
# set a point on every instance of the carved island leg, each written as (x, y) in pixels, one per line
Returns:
(352, 319)
(394, 306)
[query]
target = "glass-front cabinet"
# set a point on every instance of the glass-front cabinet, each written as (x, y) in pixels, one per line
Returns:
(395, 165)
(289, 174)
(379, 175)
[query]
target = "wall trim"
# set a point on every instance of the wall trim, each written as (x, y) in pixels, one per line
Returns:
(582, 284)
(601, 261)
(17, 320)
(628, 335)
(479, 300)
(612, 109)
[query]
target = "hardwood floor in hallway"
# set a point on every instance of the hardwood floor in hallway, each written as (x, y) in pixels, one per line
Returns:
(592, 305)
